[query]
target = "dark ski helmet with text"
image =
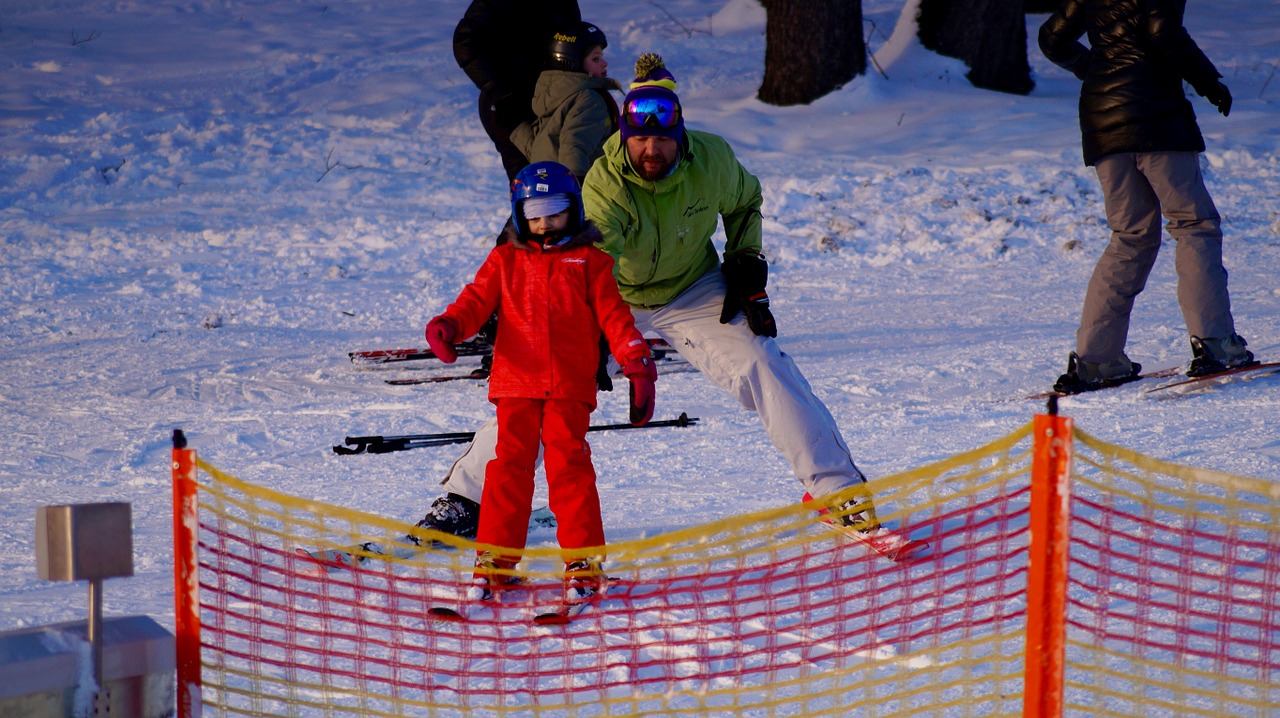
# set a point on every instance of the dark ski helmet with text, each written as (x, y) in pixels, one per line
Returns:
(541, 180)
(570, 45)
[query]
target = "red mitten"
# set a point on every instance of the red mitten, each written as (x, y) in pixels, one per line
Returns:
(441, 332)
(643, 374)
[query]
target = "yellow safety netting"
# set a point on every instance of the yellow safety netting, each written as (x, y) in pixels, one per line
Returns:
(767, 614)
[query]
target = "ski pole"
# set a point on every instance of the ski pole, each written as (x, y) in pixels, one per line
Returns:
(387, 444)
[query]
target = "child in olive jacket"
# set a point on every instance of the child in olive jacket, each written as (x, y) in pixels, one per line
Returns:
(575, 112)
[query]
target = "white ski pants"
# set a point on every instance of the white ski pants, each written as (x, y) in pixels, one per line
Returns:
(753, 369)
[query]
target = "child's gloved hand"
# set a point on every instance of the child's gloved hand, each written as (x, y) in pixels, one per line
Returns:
(643, 375)
(441, 333)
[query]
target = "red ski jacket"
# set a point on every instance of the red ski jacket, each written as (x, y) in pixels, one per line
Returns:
(552, 305)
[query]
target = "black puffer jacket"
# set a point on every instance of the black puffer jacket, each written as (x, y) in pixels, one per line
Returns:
(503, 45)
(1132, 98)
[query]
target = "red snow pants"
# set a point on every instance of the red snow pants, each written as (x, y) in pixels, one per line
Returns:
(560, 426)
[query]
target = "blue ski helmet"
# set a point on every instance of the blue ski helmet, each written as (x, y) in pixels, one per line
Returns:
(544, 179)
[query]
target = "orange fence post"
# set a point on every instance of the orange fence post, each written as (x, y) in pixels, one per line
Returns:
(186, 577)
(1047, 572)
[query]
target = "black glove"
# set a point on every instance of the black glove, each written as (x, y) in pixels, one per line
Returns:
(745, 276)
(1219, 95)
(604, 382)
(489, 331)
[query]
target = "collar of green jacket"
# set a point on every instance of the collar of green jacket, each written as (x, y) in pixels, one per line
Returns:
(683, 155)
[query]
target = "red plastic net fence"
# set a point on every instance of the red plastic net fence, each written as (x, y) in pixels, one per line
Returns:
(1173, 606)
(1173, 590)
(774, 613)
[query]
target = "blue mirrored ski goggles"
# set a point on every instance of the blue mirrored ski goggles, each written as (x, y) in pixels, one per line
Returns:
(651, 111)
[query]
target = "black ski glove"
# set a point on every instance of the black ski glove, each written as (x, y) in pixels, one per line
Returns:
(604, 382)
(1219, 95)
(745, 276)
(489, 331)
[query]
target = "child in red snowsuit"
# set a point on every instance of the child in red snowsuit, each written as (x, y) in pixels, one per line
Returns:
(554, 293)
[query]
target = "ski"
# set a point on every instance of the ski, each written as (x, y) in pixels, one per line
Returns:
(458, 611)
(1217, 378)
(1157, 374)
(562, 615)
(664, 367)
(387, 444)
(883, 540)
(447, 613)
(668, 363)
(470, 348)
(333, 560)
(665, 357)
(559, 616)
(476, 374)
(473, 597)
(565, 612)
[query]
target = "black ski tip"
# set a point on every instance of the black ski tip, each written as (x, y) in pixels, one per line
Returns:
(179, 439)
(442, 613)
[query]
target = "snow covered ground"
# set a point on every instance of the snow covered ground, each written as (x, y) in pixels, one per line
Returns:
(205, 205)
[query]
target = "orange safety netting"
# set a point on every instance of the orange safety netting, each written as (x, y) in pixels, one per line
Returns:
(772, 613)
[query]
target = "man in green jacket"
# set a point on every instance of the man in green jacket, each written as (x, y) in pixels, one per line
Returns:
(656, 196)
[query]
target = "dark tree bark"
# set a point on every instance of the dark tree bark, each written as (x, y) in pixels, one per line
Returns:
(811, 48)
(1036, 6)
(989, 35)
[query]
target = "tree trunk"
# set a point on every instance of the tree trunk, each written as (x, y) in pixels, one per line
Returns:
(989, 35)
(811, 48)
(1040, 6)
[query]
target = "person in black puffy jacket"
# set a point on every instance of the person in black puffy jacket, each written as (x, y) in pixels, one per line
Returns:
(1139, 132)
(502, 45)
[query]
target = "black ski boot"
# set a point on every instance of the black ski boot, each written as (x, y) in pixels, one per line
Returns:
(453, 514)
(1085, 376)
(1210, 356)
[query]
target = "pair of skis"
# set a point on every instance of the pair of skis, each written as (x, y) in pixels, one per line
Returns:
(333, 560)
(470, 348)
(882, 540)
(561, 614)
(1183, 385)
(376, 357)
(665, 357)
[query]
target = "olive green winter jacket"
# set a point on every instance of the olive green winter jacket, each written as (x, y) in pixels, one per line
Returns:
(659, 233)
(575, 115)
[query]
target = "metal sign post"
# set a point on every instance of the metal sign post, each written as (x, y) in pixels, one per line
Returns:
(86, 542)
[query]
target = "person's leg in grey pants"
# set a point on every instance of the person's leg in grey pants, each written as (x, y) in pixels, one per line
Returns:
(1138, 188)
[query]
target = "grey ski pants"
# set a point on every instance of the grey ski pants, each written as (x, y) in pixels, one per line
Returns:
(1137, 189)
(753, 369)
